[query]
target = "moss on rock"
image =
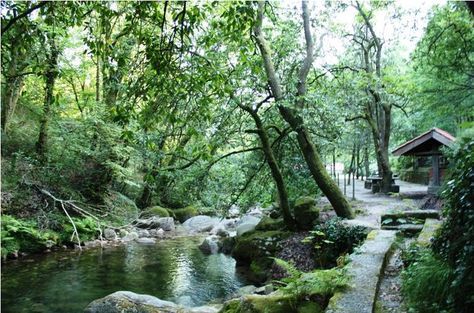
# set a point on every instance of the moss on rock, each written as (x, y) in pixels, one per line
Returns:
(256, 249)
(274, 303)
(268, 223)
(257, 244)
(155, 211)
(306, 213)
(184, 213)
(309, 307)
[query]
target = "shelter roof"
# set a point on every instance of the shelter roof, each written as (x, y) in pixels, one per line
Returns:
(426, 143)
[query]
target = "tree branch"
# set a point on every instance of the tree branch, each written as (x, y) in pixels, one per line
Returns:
(22, 15)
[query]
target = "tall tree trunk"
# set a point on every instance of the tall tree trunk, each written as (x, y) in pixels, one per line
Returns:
(366, 161)
(13, 85)
(377, 112)
(50, 78)
(351, 167)
(311, 156)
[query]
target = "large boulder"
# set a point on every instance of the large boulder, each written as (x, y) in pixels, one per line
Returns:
(166, 223)
(154, 222)
(245, 228)
(256, 250)
(130, 302)
(247, 224)
(200, 223)
(306, 213)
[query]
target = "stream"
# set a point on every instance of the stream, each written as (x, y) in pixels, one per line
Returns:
(66, 281)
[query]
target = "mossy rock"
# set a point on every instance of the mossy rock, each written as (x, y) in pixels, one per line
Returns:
(305, 212)
(268, 223)
(155, 211)
(309, 307)
(121, 207)
(257, 244)
(274, 303)
(227, 244)
(184, 213)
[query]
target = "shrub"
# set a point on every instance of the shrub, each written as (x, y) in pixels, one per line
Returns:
(333, 239)
(426, 284)
(455, 240)
(23, 235)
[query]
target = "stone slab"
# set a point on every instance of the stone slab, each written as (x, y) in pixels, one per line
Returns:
(428, 232)
(421, 214)
(365, 268)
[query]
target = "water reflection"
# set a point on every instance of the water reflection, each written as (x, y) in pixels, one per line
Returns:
(174, 270)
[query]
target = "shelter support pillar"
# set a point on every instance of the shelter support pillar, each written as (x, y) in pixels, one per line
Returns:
(435, 181)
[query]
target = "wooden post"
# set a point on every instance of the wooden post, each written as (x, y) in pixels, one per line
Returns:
(344, 180)
(353, 187)
(435, 181)
(436, 178)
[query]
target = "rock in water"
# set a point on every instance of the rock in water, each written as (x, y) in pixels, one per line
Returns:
(245, 228)
(200, 223)
(210, 245)
(110, 234)
(130, 302)
(131, 236)
(143, 233)
(148, 241)
(166, 223)
(154, 222)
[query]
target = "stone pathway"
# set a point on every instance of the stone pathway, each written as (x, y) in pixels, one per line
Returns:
(365, 269)
(376, 272)
(370, 206)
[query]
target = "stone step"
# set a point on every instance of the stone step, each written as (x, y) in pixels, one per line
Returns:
(420, 214)
(366, 267)
(406, 228)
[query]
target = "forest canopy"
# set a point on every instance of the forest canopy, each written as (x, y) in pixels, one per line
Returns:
(218, 103)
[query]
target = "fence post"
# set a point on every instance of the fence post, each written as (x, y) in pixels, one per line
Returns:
(353, 188)
(344, 183)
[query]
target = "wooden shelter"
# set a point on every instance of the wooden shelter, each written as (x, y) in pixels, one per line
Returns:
(428, 144)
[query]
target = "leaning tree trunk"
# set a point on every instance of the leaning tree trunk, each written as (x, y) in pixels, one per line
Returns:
(310, 154)
(316, 166)
(274, 168)
(50, 78)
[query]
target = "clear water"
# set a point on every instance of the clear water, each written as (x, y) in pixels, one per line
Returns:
(173, 270)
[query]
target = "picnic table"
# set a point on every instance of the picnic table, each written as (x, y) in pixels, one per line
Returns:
(373, 183)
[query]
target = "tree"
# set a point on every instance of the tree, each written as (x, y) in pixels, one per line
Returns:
(290, 115)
